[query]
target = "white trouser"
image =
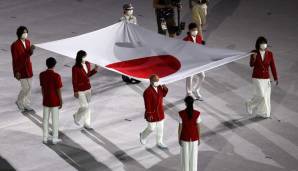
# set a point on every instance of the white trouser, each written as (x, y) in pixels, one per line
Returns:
(24, 97)
(194, 83)
(159, 131)
(47, 112)
(84, 110)
(189, 155)
(260, 103)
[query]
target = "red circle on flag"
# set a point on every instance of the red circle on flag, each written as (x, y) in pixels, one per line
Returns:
(162, 65)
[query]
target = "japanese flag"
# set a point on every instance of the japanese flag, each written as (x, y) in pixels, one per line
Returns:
(136, 52)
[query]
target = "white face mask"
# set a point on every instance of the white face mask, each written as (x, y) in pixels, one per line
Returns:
(194, 33)
(263, 46)
(24, 36)
(129, 12)
(83, 60)
(156, 84)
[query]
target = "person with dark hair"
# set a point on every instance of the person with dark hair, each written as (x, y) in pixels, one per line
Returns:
(21, 51)
(261, 60)
(81, 72)
(165, 13)
(128, 14)
(51, 85)
(194, 83)
(154, 112)
(130, 18)
(199, 13)
(189, 135)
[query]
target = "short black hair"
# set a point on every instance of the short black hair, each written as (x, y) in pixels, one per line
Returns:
(21, 30)
(192, 26)
(51, 62)
(260, 41)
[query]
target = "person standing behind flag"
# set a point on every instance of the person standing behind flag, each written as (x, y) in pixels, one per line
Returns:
(189, 135)
(128, 14)
(21, 51)
(130, 18)
(261, 60)
(194, 83)
(154, 112)
(51, 85)
(81, 72)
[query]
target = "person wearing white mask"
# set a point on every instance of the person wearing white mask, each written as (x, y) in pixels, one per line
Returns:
(154, 112)
(194, 83)
(261, 60)
(21, 51)
(128, 14)
(199, 13)
(81, 72)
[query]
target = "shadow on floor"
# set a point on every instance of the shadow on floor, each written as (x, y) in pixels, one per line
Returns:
(70, 151)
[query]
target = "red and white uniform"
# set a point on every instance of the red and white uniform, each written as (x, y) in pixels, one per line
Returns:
(189, 139)
(80, 77)
(153, 100)
(154, 112)
(260, 103)
(81, 85)
(21, 63)
(194, 83)
(50, 82)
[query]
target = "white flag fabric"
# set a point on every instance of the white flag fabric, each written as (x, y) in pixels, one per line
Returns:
(136, 52)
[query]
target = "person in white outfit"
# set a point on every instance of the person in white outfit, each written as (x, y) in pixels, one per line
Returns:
(21, 51)
(261, 60)
(128, 14)
(51, 85)
(81, 72)
(130, 18)
(189, 135)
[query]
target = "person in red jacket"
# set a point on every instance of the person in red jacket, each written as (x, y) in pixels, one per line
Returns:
(21, 51)
(81, 72)
(261, 60)
(154, 112)
(194, 83)
(51, 85)
(189, 135)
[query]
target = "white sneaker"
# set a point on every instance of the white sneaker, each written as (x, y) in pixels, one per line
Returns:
(88, 127)
(198, 96)
(76, 121)
(28, 108)
(248, 108)
(20, 107)
(162, 146)
(56, 140)
(142, 141)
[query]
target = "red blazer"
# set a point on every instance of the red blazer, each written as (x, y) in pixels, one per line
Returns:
(261, 67)
(50, 82)
(154, 103)
(80, 79)
(21, 61)
(189, 126)
(199, 39)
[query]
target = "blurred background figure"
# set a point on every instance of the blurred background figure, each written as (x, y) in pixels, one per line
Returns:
(199, 14)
